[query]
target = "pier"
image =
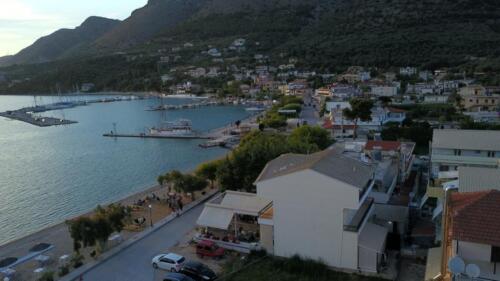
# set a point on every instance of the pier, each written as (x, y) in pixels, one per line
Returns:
(189, 105)
(148, 136)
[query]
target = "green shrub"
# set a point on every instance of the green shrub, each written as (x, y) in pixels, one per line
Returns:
(63, 270)
(47, 276)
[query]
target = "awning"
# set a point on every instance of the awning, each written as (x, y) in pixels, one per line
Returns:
(245, 203)
(219, 218)
(373, 237)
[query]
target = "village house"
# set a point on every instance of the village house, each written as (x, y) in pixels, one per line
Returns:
(435, 99)
(384, 91)
(344, 91)
(196, 72)
(473, 227)
(420, 89)
(476, 99)
(323, 92)
(408, 71)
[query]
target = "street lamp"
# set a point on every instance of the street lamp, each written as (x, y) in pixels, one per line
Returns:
(150, 215)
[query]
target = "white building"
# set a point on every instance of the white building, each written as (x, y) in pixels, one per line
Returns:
(330, 219)
(435, 99)
(408, 71)
(384, 91)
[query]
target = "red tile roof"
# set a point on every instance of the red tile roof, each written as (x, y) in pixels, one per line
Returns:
(476, 217)
(383, 145)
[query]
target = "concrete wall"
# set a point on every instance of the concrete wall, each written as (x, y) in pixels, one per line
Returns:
(308, 217)
(472, 251)
(367, 260)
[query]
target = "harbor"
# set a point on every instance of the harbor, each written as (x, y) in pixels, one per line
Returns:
(31, 114)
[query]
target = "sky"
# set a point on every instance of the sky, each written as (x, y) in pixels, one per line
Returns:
(24, 21)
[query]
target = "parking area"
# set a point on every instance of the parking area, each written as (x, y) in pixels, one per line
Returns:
(187, 249)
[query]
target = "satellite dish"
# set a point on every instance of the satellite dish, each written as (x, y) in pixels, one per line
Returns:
(456, 265)
(472, 270)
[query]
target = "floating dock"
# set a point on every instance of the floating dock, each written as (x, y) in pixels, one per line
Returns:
(37, 121)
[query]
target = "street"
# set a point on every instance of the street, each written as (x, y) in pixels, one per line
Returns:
(134, 263)
(309, 113)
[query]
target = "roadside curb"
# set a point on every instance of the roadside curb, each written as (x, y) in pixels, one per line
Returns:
(74, 275)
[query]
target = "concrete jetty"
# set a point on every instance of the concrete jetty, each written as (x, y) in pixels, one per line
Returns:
(149, 136)
(34, 120)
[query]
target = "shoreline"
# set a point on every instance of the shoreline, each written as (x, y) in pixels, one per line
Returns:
(110, 93)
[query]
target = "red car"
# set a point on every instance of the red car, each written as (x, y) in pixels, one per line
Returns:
(206, 248)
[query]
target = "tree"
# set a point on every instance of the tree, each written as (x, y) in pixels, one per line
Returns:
(173, 178)
(307, 139)
(239, 170)
(361, 110)
(161, 180)
(192, 183)
(208, 171)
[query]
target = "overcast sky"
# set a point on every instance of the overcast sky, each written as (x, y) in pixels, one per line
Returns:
(24, 21)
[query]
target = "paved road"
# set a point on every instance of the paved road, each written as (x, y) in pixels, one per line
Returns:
(134, 263)
(309, 113)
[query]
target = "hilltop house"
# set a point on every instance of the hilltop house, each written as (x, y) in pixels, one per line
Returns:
(476, 99)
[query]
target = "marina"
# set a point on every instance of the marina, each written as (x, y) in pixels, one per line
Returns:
(31, 114)
(69, 166)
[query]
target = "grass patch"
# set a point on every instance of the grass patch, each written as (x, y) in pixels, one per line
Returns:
(266, 268)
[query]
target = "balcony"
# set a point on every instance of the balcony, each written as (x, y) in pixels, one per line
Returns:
(359, 216)
(465, 160)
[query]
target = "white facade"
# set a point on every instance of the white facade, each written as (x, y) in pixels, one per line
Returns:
(435, 99)
(384, 91)
(310, 211)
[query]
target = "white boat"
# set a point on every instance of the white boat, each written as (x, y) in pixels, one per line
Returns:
(178, 128)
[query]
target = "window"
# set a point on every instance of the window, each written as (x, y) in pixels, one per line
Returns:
(444, 168)
(491, 154)
(495, 254)
(458, 152)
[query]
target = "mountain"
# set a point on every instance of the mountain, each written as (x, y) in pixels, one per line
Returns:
(148, 21)
(324, 35)
(63, 42)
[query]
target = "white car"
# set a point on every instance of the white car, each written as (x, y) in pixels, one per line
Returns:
(170, 262)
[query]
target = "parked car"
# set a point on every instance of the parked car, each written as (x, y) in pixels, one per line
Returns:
(172, 276)
(206, 248)
(198, 271)
(171, 262)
